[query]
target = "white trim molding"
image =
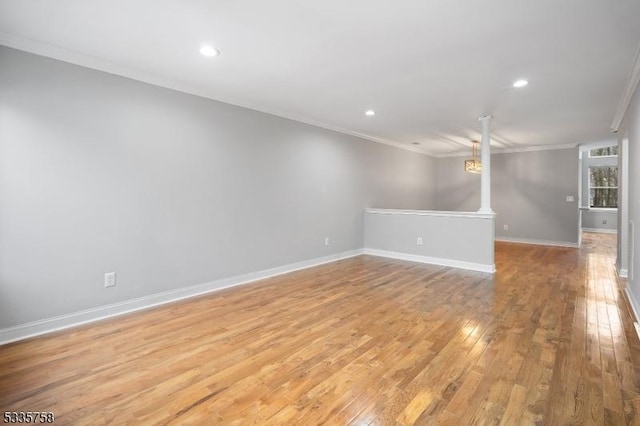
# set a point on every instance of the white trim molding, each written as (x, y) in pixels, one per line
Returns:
(48, 325)
(534, 148)
(612, 210)
(629, 89)
(515, 149)
(600, 230)
(440, 213)
(635, 307)
(588, 146)
(622, 272)
(93, 62)
(538, 242)
(432, 260)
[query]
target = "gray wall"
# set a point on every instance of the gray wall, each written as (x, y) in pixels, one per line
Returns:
(600, 219)
(631, 129)
(595, 218)
(100, 173)
(528, 193)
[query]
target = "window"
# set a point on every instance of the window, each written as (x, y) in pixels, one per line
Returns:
(603, 187)
(608, 151)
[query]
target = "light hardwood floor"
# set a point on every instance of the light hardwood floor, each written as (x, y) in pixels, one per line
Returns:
(546, 340)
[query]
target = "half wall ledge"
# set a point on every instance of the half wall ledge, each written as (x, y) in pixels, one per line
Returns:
(457, 239)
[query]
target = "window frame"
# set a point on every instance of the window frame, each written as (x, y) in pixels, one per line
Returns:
(603, 156)
(608, 209)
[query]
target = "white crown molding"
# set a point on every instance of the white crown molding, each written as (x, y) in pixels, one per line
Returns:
(537, 242)
(514, 150)
(586, 146)
(480, 267)
(48, 325)
(629, 89)
(93, 62)
(534, 148)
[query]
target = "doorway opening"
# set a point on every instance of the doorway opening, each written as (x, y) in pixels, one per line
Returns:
(599, 185)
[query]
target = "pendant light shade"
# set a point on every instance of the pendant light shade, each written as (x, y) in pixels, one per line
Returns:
(473, 165)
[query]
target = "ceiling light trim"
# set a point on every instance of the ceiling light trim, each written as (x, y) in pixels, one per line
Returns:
(629, 89)
(209, 51)
(95, 63)
(520, 83)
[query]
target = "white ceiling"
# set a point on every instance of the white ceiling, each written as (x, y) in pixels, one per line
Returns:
(428, 68)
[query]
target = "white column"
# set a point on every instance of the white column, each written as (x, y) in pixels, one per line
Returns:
(485, 179)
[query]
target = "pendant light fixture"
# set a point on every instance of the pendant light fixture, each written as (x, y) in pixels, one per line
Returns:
(473, 165)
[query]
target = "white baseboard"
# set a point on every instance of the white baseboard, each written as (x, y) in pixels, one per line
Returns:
(432, 260)
(601, 230)
(48, 325)
(622, 272)
(635, 307)
(537, 242)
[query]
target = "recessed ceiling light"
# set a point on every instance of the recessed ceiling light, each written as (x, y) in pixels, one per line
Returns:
(209, 51)
(370, 112)
(520, 83)
(415, 143)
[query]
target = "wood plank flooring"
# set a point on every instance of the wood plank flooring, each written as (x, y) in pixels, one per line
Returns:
(365, 341)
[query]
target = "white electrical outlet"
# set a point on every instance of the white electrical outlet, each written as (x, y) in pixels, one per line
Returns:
(326, 241)
(570, 198)
(505, 227)
(419, 241)
(110, 279)
(604, 221)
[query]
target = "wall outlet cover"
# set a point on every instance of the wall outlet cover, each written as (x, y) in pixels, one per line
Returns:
(110, 279)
